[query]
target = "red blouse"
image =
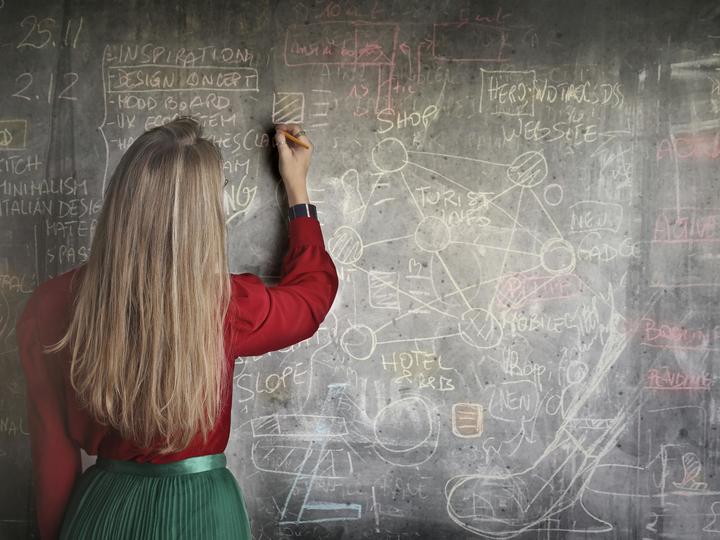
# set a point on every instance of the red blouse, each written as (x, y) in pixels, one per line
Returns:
(260, 319)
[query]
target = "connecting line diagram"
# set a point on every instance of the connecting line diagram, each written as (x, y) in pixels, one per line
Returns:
(454, 287)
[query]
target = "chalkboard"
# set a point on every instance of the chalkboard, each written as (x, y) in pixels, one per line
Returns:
(522, 203)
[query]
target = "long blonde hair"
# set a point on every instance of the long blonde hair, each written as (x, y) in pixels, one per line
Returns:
(147, 329)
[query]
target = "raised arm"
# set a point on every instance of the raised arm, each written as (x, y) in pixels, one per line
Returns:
(265, 318)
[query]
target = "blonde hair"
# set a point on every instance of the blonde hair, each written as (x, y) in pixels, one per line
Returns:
(147, 342)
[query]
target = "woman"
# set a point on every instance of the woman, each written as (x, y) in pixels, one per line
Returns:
(130, 355)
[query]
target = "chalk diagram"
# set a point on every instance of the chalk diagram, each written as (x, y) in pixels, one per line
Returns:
(501, 505)
(513, 254)
(316, 447)
(465, 273)
(524, 258)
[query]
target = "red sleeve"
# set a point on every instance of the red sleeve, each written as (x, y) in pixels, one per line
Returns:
(266, 318)
(55, 456)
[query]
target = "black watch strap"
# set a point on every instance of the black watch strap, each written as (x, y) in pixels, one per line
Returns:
(302, 210)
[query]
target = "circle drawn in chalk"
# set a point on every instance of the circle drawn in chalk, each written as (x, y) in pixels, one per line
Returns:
(528, 169)
(406, 431)
(432, 234)
(358, 342)
(480, 328)
(346, 245)
(389, 155)
(512, 285)
(403, 425)
(553, 194)
(557, 256)
(5, 137)
(576, 372)
(510, 291)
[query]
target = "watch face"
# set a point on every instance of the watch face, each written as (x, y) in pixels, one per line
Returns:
(302, 210)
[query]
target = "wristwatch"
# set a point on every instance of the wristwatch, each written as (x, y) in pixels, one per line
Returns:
(302, 210)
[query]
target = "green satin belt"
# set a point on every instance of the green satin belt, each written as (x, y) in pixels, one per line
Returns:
(185, 466)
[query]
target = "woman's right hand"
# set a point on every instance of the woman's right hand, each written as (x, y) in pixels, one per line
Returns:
(293, 162)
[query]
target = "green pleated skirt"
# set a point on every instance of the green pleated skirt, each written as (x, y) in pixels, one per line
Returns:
(195, 498)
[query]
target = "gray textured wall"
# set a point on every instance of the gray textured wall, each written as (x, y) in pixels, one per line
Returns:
(521, 200)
